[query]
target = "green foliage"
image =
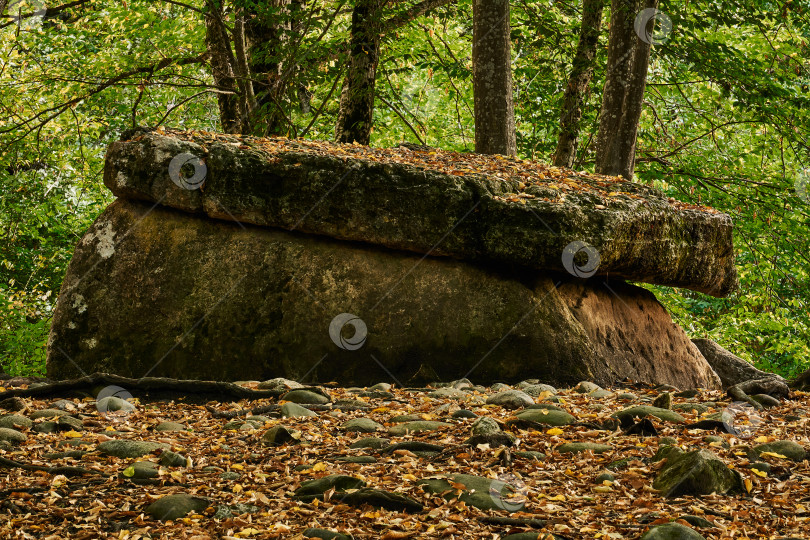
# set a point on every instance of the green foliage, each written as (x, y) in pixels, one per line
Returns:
(725, 123)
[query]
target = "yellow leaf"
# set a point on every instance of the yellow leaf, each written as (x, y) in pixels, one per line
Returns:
(237, 466)
(759, 473)
(555, 431)
(129, 472)
(761, 439)
(72, 434)
(244, 533)
(773, 454)
(602, 489)
(318, 467)
(237, 488)
(749, 485)
(410, 477)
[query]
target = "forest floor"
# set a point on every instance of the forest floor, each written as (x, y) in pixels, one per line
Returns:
(58, 478)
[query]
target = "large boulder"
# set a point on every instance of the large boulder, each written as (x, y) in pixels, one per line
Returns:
(730, 368)
(153, 291)
(508, 212)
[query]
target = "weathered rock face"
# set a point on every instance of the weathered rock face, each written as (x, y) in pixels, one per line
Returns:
(154, 291)
(506, 212)
(730, 368)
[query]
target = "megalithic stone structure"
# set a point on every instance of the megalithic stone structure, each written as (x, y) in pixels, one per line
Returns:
(245, 258)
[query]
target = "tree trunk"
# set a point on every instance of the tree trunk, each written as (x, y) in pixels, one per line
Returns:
(492, 78)
(577, 90)
(628, 59)
(268, 36)
(218, 45)
(355, 117)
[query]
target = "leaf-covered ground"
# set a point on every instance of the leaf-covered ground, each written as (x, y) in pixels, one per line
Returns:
(248, 484)
(550, 183)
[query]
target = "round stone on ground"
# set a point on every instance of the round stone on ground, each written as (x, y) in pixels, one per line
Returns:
(361, 425)
(279, 383)
(536, 390)
(305, 397)
(326, 534)
(172, 459)
(641, 411)
(672, 531)
(69, 423)
(370, 442)
(11, 436)
(605, 477)
(294, 410)
(48, 413)
(172, 507)
(577, 447)
(130, 449)
(278, 435)
(511, 399)
(141, 470)
(113, 405)
(418, 426)
(550, 417)
(484, 426)
(170, 426)
(789, 449)
(663, 401)
(448, 393)
(15, 421)
(482, 493)
(585, 387)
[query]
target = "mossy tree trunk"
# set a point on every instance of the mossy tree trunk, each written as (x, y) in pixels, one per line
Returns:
(628, 58)
(492, 78)
(577, 90)
(268, 34)
(248, 64)
(356, 114)
(222, 60)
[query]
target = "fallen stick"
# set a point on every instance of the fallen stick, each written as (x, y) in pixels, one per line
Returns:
(65, 471)
(142, 387)
(520, 522)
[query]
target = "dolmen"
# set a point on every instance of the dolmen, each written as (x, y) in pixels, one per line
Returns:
(230, 257)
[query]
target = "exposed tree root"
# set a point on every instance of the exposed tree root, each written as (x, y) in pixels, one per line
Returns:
(146, 387)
